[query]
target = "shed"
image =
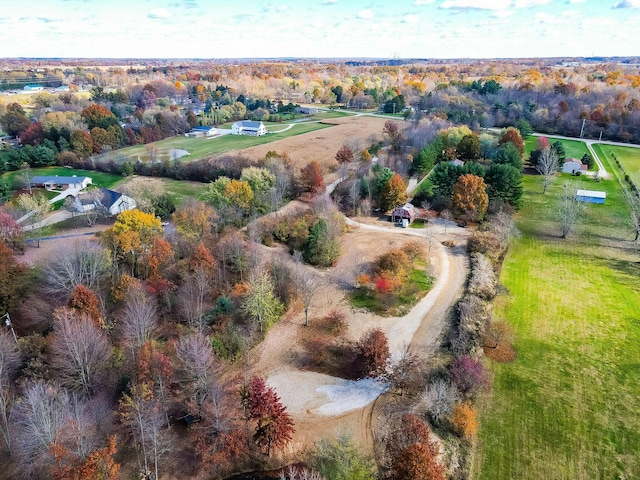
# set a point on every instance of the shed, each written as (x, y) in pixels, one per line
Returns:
(572, 165)
(591, 196)
(406, 212)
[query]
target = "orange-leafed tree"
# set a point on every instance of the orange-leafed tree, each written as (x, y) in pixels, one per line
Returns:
(84, 300)
(99, 464)
(394, 193)
(159, 255)
(311, 180)
(373, 353)
(345, 155)
(194, 220)
(512, 135)
(411, 452)
(470, 196)
(465, 420)
(13, 275)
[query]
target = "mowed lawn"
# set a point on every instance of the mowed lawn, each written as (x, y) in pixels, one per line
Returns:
(569, 406)
(101, 179)
(202, 147)
(572, 148)
(629, 158)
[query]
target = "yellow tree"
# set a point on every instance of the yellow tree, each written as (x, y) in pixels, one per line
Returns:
(132, 236)
(194, 220)
(239, 192)
(394, 193)
(470, 196)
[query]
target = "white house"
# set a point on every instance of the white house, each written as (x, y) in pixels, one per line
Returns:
(112, 201)
(60, 183)
(591, 196)
(33, 88)
(307, 110)
(201, 132)
(247, 127)
(573, 165)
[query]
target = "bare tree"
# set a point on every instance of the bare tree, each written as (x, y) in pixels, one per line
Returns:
(402, 369)
(503, 225)
(308, 285)
(440, 398)
(37, 421)
(633, 217)
(80, 351)
(447, 216)
(569, 209)
(9, 363)
(198, 364)
(139, 319)
(547, 166)
(483, 279)
(192, 296)
(76, 264)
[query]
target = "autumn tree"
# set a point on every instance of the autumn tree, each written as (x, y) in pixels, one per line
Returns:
(402, 370)
(79, 263)
(311, 180)
(392, 131)
(194, 221)
(394, 193)
(469, 375)
(35, 208)
(465, 420)
(155, 369)
(260, 302)
(373, 353)
(81, 143)
(274, 426)
(13, 277)
(512, 135)
(345, 155)
(85, 301)
(14, 121)
(11, 233)
(80, 351)
(412, 453)
(470, 196)
(99, 465)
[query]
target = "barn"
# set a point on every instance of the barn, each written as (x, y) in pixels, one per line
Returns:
(405, 214)
(591, 196)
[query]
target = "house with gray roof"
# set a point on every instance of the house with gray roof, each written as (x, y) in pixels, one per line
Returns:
(248, 127)
(60, 183)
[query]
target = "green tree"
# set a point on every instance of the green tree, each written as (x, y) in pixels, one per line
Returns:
(259, 179)
(444, 177)
(424, 160)
(260, 302)
(341, 459)
(469, 148)
(512, 135)
(524, 127)
(14, 120)
(322, 247)
(504, 182)
(508, 154)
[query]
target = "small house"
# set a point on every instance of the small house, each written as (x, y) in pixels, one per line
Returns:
(60, 183)
(405, 215)
(32, 87)
(307, 110)
(457, 163)
(110, 200)
(591, 196)
(572, 165)
(248, 127)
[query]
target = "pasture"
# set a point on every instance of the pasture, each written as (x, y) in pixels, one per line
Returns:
(567, 407)
(629, 158)
(572, 148)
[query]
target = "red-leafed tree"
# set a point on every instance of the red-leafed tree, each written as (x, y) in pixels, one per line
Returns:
(99, 465)
(33, 135)
(11, 233)
(373, 353)
(392, 130)
(468, 374)
(411, 452)
(274, 426)
(311, 180)
(85, 301)
(160, 253)
(345, 155)
(12, 278)
(512, 135)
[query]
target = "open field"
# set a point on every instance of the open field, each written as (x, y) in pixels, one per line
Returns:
(573, 148)
(567, 407)
(101, 179)
(180, 190)
(628, 157)
(201, 147)
(357, 131)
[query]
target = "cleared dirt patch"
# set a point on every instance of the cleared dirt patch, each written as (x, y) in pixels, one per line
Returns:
(358, 132)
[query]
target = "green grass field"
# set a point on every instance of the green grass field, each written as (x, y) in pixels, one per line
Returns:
(101, 179)
(628, 157)
(572, 148)
(201, 147)
(567, 407)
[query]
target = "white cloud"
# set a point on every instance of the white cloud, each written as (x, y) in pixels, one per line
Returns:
(410, 19)
(627, 4)
(548, 19)
(529, 3)
(159, 13)
(477, 4)
(503, 13)
(419, 3)
(576, 1)
(365, 14)
(329, 2)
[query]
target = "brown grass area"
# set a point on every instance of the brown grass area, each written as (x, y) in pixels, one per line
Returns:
(358, 132)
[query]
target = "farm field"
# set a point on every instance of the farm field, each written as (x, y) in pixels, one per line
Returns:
(201, 147)
(101, 179)
(628, 157)
(180, 190)
(566, 408)
(359, 132)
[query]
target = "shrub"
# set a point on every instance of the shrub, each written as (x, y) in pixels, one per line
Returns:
(440, 398)
(465, 420)
(373, 353)
(483, 280)
(497, 342)
(468, 375)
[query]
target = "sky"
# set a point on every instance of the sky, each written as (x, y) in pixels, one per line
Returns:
(223, 29)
